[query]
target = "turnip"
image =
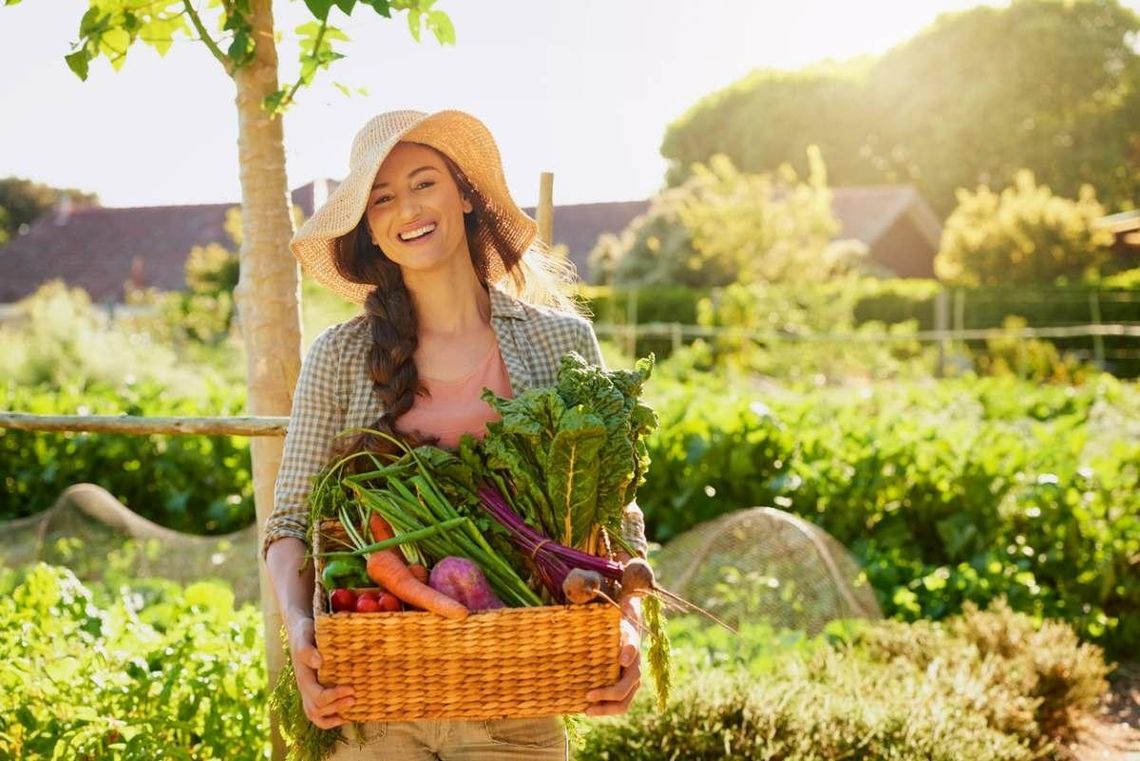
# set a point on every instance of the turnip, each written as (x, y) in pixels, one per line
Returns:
(581, 586)
(462, 579)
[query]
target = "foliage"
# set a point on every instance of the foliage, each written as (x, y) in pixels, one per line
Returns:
(173, 672)
(22, 202)
(722, 226)
(204, 313)
(165, 672)
(110, 27)
(961, 103)
(986, 685)
(194, 484)
(946, 492)
(1025, 234)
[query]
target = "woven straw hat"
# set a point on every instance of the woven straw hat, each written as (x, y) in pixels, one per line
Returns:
(459, 136)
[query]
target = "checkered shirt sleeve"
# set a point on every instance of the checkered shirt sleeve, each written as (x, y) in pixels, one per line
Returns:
(317, 417)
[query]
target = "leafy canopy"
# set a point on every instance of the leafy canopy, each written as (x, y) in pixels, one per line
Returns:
(1048, 85)
(110, 27)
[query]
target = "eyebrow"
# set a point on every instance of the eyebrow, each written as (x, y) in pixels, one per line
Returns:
(410, 175)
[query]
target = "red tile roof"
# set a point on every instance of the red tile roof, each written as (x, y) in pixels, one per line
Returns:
(96, 248)
(865, 213)
(99, 249)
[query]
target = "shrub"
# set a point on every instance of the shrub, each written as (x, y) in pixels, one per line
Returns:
(981, 686)
(722, 226)
(150, 671)
(1025, 234)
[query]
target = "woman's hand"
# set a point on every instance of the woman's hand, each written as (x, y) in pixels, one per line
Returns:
(322, 706)
(608, 701)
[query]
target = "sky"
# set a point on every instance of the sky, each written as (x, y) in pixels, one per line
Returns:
(581, 88)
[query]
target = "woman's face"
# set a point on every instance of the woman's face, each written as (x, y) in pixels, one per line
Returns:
(415, 210)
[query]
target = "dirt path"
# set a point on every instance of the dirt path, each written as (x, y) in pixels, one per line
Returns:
(1114, 734)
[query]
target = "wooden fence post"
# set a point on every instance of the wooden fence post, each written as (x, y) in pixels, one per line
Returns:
(1098, 340)
(942, 325)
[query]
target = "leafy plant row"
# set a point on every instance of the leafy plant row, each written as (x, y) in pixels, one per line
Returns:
(945, 492)
(194, 484)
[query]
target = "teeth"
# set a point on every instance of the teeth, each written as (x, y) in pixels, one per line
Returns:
(417, 233)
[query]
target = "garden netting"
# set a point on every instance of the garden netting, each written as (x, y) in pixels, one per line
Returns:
(95, 535)
(764, 565)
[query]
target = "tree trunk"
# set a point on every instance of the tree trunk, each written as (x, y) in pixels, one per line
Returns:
(267, 294)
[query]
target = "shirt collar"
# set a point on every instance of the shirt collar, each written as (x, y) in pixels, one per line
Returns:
(505, 305)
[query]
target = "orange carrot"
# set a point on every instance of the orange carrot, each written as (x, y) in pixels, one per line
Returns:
(381, 529)
(387, 569)
(420, 572)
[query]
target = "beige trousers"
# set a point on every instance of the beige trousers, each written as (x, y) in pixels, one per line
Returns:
(541, 739)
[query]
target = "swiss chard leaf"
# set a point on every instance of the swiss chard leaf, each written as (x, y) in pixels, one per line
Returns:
(572, 480)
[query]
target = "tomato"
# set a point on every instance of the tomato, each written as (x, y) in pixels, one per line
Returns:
(367, 603)
(342, 600)
(389, 602)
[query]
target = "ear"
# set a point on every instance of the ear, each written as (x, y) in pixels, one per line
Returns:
(467, 205)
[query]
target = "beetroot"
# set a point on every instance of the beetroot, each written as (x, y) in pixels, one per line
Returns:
(462, 580)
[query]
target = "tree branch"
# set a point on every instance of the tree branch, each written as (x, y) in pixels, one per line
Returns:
(300, 77)
(207, 40)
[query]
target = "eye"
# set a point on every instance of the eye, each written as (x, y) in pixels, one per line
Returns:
(381, 199)
(425, 184)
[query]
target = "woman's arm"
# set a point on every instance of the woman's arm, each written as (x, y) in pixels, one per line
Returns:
(316, 418)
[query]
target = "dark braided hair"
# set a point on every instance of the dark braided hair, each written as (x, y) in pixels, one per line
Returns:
(392, 322)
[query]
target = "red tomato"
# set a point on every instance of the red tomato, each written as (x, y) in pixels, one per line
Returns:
(342, 600)
(389, 602)
(367, 603)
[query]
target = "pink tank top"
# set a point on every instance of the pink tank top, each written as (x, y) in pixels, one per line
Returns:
(454, 407)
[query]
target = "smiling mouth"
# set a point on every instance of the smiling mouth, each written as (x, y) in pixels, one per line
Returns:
(418, 234)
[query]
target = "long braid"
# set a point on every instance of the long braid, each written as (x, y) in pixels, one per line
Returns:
(392, 323)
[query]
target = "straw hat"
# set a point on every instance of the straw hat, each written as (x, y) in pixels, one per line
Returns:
(459, 136)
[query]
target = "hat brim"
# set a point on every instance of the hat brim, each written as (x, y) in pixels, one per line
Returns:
(459, 136)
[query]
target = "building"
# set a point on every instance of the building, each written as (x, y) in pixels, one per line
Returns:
(101, 249)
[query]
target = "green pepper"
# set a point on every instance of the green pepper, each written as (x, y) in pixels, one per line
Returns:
(346, 572)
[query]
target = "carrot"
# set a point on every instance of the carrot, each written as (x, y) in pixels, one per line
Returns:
(420, 572)
(387, 568)
(381, 529)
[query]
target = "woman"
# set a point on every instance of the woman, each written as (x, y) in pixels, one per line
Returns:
(424, 233)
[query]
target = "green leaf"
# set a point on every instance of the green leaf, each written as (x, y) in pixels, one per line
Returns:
(441, 25)
(308, 31)
(319, 8)
(91, 21)
(77, 62)
(380, 6)
(345, 6)
(572, 475)
(414, 18)
(343, 88)
(241, 49)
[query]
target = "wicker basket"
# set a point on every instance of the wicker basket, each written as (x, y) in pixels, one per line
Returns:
(508, 663)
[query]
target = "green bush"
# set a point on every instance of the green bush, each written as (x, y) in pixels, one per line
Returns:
(195, 484)
(144, 671)
(1024, 234)
(946, 492)
(984, 685)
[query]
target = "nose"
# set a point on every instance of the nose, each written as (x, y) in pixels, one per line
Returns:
(409, 208)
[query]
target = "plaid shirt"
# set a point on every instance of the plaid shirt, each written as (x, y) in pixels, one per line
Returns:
(335, 392)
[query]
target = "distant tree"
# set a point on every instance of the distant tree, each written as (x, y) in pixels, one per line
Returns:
(722, 226)
(22, 201)
(1025, 234)
(1048, 85)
